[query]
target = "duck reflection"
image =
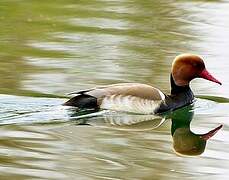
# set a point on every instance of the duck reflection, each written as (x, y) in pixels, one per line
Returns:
(186, 142)
(118, 120)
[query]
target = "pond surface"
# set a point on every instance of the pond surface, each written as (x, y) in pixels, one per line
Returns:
(50, 48)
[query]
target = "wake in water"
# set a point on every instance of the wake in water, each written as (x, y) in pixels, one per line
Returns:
(27, 110)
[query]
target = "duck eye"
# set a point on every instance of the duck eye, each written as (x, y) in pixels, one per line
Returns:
(195, 64)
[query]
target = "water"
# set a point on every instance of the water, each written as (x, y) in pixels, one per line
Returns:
(51, 48)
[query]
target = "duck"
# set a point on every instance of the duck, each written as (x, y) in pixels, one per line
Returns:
(143, 98)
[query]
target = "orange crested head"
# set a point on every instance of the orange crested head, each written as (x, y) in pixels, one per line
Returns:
(186, 67)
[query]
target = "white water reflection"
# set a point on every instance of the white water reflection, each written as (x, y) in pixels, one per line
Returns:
(100, 23)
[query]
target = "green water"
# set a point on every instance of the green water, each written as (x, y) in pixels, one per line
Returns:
(51, 48)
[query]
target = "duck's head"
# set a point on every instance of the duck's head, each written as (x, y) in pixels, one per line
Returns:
(186, 67)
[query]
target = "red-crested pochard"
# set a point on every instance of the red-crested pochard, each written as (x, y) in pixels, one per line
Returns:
(145, 99)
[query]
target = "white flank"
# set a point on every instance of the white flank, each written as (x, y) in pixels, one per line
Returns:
(129, 104)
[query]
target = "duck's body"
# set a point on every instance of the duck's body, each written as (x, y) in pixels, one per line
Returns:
(142, 98)
(130, 97)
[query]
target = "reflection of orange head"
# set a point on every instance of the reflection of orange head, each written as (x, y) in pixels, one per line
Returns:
(186, 67)
(186, 142)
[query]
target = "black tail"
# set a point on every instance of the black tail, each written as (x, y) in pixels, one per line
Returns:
(83, 101)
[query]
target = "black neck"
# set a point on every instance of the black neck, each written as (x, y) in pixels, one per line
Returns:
(180, 96)
(177, 89)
